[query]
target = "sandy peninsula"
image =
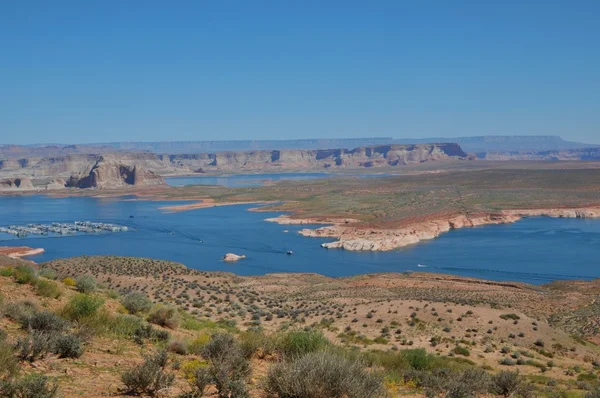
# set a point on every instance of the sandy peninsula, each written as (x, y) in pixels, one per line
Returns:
(359, 238)
(20, 251)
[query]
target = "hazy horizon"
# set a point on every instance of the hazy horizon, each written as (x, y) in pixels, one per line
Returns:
(80, 72)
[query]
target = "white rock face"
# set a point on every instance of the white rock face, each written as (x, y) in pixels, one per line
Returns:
(231, 257)
(355, 238)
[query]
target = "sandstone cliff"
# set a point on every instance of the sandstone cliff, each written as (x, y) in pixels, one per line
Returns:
(375, 156)
(80, 165)
(110, 173)
(16, 184)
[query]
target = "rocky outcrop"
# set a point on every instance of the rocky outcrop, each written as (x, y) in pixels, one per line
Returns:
(21, 184)
(110, 173)
(357, 238)
(57, 183)
(230, 257)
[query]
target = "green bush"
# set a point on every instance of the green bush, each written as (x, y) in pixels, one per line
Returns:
(253, 342)
(86, 284)
(166, 316)
(460, 350)
(417, 359)
(125, 326)
(46, 288)
(514, 317)
(25, 274)
(303, 341)
(68, 346)
(150, 376)
(323, 374)
(136, 302)
(81, 306)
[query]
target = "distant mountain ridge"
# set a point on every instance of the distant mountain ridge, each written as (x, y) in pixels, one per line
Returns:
(506, 143)
(479, 145)
(497, 143)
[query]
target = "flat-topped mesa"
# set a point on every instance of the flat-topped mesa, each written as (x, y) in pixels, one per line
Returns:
(373, 156)
(109, 173)
(78, 166)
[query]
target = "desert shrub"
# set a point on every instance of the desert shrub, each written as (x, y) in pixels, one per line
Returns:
(507, 361)
(146, 331)
(34, 386)
(199, 379)
(513, 317)
(47, 273)
(460, 350)
(25, 274)
(303, 341)
(36, 345)
(7, 271)
(20, 311)
(258, 343)
(454, 384)
(82, 306)
(196, 345)
(86, 284)
(595, 393)
(136, 302)
(228, 367)
(178, 347)
(149, 376)
(323, 374)
(417, 359)
(68, 346)
(46, 288)
(9, 366)
(125, 326)
(45, 321)
(539, 343)
(166, 316)
(506, 383)
(69, 282)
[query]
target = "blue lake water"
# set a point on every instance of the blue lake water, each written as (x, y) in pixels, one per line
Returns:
(534, 250)
(255, 180)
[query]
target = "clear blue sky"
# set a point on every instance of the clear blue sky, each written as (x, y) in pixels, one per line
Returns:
(96, 71)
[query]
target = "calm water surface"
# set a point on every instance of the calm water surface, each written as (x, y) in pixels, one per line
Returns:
(255, 180)
(535, 250)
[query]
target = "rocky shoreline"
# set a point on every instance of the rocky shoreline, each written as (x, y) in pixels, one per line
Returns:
(357, 238)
